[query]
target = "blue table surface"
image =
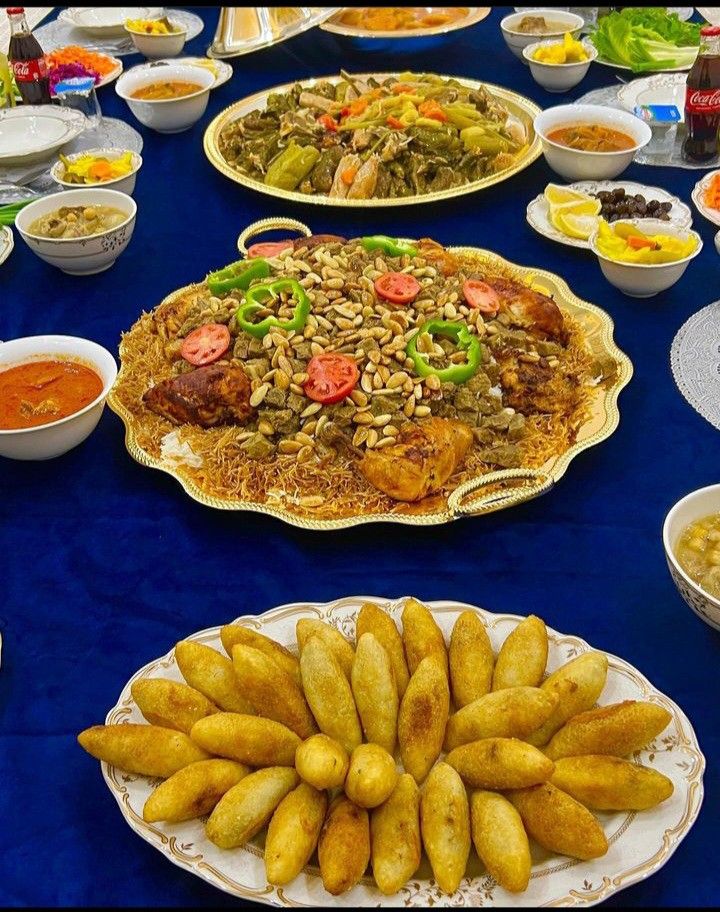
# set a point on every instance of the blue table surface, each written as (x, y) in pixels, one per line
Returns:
(106, 564)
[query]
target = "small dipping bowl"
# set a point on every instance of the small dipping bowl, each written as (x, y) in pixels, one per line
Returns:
(644, 280)
(124, 184)
(558, 77)
(57, 437)
(155, 47)
(692, 507)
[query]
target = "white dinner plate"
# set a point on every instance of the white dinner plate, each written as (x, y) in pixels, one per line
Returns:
(620, 66)
(639, 843)
(30, 133)
(538, 210)
(7, 242)
(712, 215)
(663, 88)
(104, 21)
(223, 70)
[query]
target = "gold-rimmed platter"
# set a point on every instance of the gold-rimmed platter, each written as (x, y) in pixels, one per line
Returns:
(474, 15)
(640, 843)
(475, 495)
(519, 106)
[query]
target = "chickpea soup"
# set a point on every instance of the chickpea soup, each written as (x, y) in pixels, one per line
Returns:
(698, 553)
(77, 221)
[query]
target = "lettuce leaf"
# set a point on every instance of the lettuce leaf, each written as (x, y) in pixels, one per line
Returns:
(646, 39)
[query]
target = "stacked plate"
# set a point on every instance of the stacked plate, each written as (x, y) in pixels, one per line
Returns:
(33, 133)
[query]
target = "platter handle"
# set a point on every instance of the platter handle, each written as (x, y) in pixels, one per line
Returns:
(539, 483)
(270, 224)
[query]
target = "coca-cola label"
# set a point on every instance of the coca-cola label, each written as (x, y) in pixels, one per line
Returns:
(29, 70)
(702, 101)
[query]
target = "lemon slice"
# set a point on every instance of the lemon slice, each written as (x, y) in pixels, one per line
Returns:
(586, 207)
(576, 225)
(557, 195)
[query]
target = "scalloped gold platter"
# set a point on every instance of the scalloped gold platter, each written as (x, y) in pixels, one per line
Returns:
(307, 483)
(640, 843)
(519, 108)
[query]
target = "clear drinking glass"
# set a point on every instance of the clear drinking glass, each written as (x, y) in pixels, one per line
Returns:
(81, 97)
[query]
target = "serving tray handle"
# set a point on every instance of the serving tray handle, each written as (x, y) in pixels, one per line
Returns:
(270, 224)
(539, 483)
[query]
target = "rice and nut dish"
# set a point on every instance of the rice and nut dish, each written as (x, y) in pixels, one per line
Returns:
(365, 375)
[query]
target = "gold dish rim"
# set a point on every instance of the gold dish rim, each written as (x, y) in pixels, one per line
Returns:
(212, 151)
(474, 15)
(178, 854)
(543, 479)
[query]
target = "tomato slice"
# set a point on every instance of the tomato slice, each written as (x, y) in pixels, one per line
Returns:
(481, 296)
(206, 344)
(397, 287)
(269, 249)
(331, 378)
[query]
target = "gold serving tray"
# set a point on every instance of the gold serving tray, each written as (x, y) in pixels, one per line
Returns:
(524, 109)
(474, 15)
(506, 487)
(244, 29)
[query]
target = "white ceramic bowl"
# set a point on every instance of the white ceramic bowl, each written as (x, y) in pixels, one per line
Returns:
(692, 507)
(574, 164)
(124, 184)
(517, 41)
(558, 77)
(57, 437)
(155, 47)
(172, 115)
(643, 280)
(79, 256)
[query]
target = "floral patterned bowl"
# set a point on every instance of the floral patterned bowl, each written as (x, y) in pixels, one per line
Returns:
(693, 506)
(85, 255)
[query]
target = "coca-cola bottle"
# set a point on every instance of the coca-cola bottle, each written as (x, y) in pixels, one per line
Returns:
(702, 99)
(27, 60)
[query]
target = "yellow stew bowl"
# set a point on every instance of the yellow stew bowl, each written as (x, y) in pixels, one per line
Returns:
(632, 270)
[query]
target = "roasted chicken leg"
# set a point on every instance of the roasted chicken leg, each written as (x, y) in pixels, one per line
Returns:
(208, 396)
(422, 460)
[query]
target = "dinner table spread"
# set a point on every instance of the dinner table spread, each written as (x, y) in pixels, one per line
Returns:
(106, 564)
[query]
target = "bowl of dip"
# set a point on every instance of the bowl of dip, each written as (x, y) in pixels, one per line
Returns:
(82, 232)
(691, 538)
(52, 394)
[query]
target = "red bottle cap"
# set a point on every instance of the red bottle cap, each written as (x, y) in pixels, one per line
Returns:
(13, 10)
(709, 30)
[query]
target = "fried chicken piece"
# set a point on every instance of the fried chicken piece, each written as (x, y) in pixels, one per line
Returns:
(533, 311)
(528, 388)
(208, 396)
(425, 456)
(435, 253)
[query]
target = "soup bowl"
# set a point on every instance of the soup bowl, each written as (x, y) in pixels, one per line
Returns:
(644, 280)
(517, 41)
(576, 164)
(155, 47)
(168, 115)
(83, 255)
(690, 508)
(57, 437)
(124, 184)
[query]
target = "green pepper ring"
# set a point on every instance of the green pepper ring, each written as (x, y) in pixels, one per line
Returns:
(251, 306)
(388, 245)
(463, 338)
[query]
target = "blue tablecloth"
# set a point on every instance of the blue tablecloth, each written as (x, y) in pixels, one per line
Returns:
(106, 564)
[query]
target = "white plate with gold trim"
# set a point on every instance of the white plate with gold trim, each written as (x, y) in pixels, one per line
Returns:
(698, 197)
(640, 843)
(538, 210)
(7, 242)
